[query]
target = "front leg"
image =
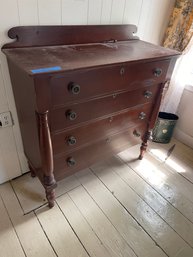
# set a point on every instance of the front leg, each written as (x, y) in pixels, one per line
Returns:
(46, 151)
(153, 117)
(50, 185)
(144, 144)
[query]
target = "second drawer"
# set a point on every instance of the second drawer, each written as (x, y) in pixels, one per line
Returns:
(87, 111)
(69, 140)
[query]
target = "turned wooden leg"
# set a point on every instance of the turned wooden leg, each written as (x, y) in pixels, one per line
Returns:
(144, 145)
(50, 185)
(47, 158)
(142, 150)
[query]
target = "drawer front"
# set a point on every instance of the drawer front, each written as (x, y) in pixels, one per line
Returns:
(78, 85)
(87, 111)
(85, 157)
(68, 140)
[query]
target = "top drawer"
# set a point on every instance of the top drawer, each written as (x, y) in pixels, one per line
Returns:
(84, 84)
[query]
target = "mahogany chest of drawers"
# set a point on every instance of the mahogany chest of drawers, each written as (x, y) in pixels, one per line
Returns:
(83, 93)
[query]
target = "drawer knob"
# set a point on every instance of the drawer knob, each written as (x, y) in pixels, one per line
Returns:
(136, 133)
(71, 162)
(157, 72)
(142, 115)
(148, 94)
(71, 115)
(122, 71)
(71, 140)
(74, 88)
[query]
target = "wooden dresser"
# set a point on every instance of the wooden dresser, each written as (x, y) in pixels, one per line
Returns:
(83, 93)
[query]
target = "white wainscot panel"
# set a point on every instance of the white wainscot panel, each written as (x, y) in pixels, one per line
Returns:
(74, 12)
(94, 11)
(143, 25)
(3, 98)
(154, 19)
(117, 12)
(9, 163)
(132, 12)
(12, 108)
(8, 18)
(106, 11)
(50, 12)
(9, 137)
(28, 12)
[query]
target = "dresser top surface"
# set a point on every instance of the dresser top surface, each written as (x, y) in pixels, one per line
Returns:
(72, 57)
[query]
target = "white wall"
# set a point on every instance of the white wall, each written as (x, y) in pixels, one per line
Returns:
(151, 17)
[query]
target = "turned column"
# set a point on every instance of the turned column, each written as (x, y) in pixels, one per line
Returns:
(152, 120)
(46, 152)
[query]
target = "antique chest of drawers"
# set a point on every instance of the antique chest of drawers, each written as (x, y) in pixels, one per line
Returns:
(83, 93)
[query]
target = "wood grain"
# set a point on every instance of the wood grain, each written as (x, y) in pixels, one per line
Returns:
(10, 245)
(30, 36)
(115, 244)
(28, 229)
(59, 232)
(173, 244)
(128, 228)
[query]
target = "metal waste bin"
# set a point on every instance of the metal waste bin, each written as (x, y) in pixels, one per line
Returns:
(164, 127)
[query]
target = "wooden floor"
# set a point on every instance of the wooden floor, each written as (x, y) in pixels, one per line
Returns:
(120, 208)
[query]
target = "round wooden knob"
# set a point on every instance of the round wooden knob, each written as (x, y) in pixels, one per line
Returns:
(71, 140)
(122, 71)
(74, 88)
(71, 115)
(148, 94)
(142, 115)
(157, 72)
(71, 162)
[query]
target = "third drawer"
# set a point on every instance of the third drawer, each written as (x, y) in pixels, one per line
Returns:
(69, 163)
(68, 140)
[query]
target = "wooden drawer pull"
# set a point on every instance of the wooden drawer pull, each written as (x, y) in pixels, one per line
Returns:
(148, 94)
(142, 115)
(74, 88)
(136, 133)
(71, 140)
(71, 162)
(122, 71)
(71, 115)
(157, 72)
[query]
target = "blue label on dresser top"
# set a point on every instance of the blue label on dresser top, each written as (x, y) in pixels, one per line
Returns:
(41, 70)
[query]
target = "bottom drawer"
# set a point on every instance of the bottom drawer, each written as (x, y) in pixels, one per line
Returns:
(85, 157)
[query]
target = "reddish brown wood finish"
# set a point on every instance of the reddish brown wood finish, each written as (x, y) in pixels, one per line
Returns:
(112, 78)
(27, 36)
(95, 131)
(105, 80)
(46, 157)
(86, 156)
(100, 107)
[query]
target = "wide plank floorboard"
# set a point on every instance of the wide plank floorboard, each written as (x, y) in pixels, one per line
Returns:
(153, 224)
(110, 237)
(60, 233)
(118, 208)
(31, 194)
(84, 231)
(32, 237)
(166, 211)
(165, 182)
(130, 230)
(9, 242)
